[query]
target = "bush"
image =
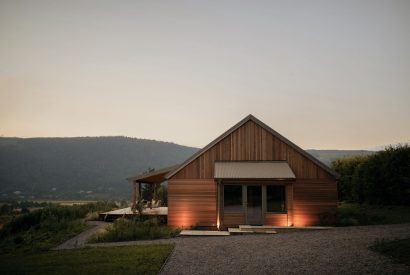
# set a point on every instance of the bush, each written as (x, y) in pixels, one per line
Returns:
(327, 219)
(53, 217)
(131, 230)
(18, 240)
(6, 209)
(358, 216)
(346, 167)
(44, 228)
(379, 179)
(92, 216)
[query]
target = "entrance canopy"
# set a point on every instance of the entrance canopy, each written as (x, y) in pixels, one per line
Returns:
(274, 170)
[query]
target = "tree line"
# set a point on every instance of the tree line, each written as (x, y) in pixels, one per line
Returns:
(379, 179)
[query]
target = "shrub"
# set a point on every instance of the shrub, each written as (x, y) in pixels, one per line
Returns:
(45, 228)
(346, 167)
(358, 215)
(379, 179)
(130, 230)
(18, 240)
(92, 216)
(327, 218)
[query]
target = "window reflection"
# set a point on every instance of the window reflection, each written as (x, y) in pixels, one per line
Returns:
(233, 198)
(275, 195)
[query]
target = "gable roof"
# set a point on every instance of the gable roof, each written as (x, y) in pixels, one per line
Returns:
(250, 117)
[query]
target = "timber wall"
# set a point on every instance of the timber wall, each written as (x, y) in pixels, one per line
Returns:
(192, 191)
(311, 199)
(191, 203)
(251, 142)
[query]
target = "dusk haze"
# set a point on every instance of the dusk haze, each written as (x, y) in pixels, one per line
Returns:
(204, 137)
(327, 74)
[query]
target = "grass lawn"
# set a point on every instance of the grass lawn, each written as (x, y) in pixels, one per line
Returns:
(398, 249)
(355, 214)
(144, 259)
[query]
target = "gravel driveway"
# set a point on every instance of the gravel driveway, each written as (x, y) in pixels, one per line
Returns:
(336, 251)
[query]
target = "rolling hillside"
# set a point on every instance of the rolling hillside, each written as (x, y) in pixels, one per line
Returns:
(84, 167)
(90, 167)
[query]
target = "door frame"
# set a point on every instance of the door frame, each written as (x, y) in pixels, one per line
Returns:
(263, 183)
(245, 200)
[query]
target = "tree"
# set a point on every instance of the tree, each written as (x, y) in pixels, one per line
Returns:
(346, 168)
(382, 178)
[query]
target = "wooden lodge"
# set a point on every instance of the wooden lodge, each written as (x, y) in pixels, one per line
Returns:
(250, 175)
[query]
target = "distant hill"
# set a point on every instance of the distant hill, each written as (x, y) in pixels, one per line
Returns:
(327, 156)
(83, 167)
(91, 167)
(383, 147)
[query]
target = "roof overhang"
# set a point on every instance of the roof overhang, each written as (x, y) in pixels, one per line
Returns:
(155, 176)
(261, 170)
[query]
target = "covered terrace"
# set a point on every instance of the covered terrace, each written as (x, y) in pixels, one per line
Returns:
(153, 207)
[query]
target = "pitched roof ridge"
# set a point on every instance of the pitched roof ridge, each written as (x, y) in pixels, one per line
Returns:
(261, 124)
(280, 160)
(212, 143)
(293, 145)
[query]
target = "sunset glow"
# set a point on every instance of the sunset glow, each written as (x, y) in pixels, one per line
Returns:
(338, 73)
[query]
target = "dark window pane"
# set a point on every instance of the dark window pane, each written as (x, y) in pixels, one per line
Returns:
(276, 198)
(233, 198)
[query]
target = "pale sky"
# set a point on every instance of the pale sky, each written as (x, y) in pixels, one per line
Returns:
(325, 74)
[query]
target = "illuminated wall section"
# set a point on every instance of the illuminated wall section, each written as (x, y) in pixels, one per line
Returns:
(192, 202)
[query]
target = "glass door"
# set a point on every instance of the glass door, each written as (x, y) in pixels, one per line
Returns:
(254, 205)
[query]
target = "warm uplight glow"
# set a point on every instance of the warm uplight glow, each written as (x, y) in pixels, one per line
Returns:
(304, 220)
(185, 219)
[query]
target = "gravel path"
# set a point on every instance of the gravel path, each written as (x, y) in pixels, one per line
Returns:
(81, 239)
(335, 251)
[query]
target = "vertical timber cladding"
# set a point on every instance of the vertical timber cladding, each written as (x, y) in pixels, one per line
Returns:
(313, 198)
(192, 202)
(313, 192)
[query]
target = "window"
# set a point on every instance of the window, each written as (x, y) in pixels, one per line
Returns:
(276, 198)
(233, 198)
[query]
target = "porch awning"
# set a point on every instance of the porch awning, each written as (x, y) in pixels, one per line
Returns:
(277, 170)
(154, 176)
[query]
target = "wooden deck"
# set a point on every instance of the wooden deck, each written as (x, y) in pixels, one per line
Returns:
(127, 212)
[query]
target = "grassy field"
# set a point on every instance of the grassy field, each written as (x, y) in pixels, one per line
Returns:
(397, 249)
(146, 259)
(67, 202)
(355, 214)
